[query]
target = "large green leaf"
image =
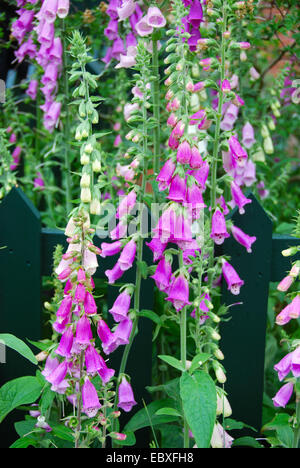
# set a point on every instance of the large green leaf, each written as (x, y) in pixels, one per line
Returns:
(18, 345)
(199, 399)
(142, 418)
(24, 442)
(21, 391)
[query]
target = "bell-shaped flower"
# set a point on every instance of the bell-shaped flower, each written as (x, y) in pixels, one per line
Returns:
(218, 228)
(243, 238)
(239, 198)
(283, 396)
(232, 279)
(121, 306)
(90, 400)
(125, 396)
(178, 293)
(163, 274)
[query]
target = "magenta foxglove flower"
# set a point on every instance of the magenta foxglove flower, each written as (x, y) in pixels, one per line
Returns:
(125, 396)
(248, 135)
(83, 332)
(123, 332)
(66, 343)
(50, 366)
(194, 199)
(32, 89)
(64, 308)
(126, 205)
(105, 335)
(294, 310)
(80, 293)
(239, 198)
(283, 396)
(119, 231)
(114, 274)
(157, 248)
(143, 28)
(127, 256)
(218, 228)
(221, 202)
(201, 174)
(195, 16)
(58, 375)
(226, 87)
(285, 284)
(108, 250)
(163, 274)
(90, 306)
(165, 175)
(177, 189)
(112, 9)
(283, 367)
(182, 230)
(90, 400)
(165, 225)
(233, 280)
(184, 153)
(178, 293)
(111, 32)
(203, 307)
(105, 373)
(127, 9)
(243, 238)
(284, 316)
(196, 160)
(93, 360)
(121, 306)
(155, 18)
(237, 151)
(295, 362)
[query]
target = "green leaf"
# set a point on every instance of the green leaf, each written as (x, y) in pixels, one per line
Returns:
(24, 442)
(198, 361)
(150, 315)
(169, 411)
(46, 399)
(247, 442)
(231, 424)
(280, 420)
(143, 267)
(141, 418)
(18, 345)
(63, 432)
(21, 391)
(199, 398)
(172, 362)
(24, 427)
(286, 436)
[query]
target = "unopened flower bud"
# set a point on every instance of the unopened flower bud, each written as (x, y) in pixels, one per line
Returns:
(85, 195)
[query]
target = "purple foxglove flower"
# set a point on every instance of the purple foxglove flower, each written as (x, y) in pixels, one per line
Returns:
(56, 51)
(112, 9)
(165, 225)
(203, 307)
(194, 199)
(93, 360)
(239, 198)
(52, 115)
(114, 274)
(179, 292)
(111, 31)
(233, 280)
(90, 262)
(143, 28)
(126, 10)
(49, 10)
(60, 325)
(294, 310)
(110, 249)
(118, 48)
(284, 316)
(198, 117)
(131, 41)
(121, 306)
(80, 293)
(184, 153)
(46, 35)
(218, 228)
(64, 308)
(243, 238)
(127, 256)
(283, 396)
(126, 61)
(226, 87)
(201, 174)
(50, 366)
(39, 182)
(283, 367)
(248, 135)
(126, 205)
(90, 400)
(295, 362)
(122, 333)
(163, 274)
(196, 160)
(177, 189)
(285, 284)
(58, 375)
(227, 123)
(63, 8)
(105, 373)
(195, 16)
(66, 343)
(237, 151)
(155, 18)
(157, 248)
(165, 175)
(105, 335)
(182, 230)
(32, 89)
(135, 18)
(90, 306)
(125, 396)
(221, 201)
(119, 231)
(83, 332)
(249, 175)
(50, 75)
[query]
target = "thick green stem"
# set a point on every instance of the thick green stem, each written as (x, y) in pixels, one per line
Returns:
(297, 428)
(183, 354)
(156, 110)
(67, 165)
(79, 402)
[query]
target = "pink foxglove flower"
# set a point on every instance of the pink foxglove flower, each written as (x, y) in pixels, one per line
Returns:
(108, 250)
(93, 360)
(58, 375)
(237, 151)
(196, 160)
(155, 18)
(184, 153)
(83, 332)
(163, 274)
(127, 9)
(126, 399)
(127, 256)
(248, 135)
(90, 400)
(143, 28)
(178, 293)
(66, 343)
(283, 367)
(121, 306)
(126, 205)
(63, 8)
(114, 274)
(123, 332)
(283, 396)
(233, 280)
(218, 229)
(243, 238)
(295, 362)
(165, 175)
(239, 198)
(285, 284)
(157, 248)
(177, 189)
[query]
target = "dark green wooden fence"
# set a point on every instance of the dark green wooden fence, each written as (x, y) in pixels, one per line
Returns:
(27, 257)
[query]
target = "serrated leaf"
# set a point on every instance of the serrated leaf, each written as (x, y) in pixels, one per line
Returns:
(199, 399)
(18, 345)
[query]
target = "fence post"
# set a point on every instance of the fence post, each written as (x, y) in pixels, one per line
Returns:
(243, 337)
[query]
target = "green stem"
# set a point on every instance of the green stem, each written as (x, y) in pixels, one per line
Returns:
(183, 354)
(297, 429)
(156, 107)
(67, 125)
(79, 402)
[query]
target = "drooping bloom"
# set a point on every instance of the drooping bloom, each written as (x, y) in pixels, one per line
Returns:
(83, 332)
(248, 135)
(239, 198)
(59, 373)
(165, 175)
(93, 360)
(177, 189)
(283, 367)
(123, 332)
(126, 205)
(108, 250)
(294, 310)
(157, 248)
(127, 256)
(90, 400)
(114, 274)
(126, 10)
(237, 151)
(66, 343)
(178, 293)
(106, 337)
(125, 396)
(295, 362)
(155, 18)
(283, 396)
(220, 438)
(233, 280)
(243, 238)
(90, 306)
(218, 229)
(184, 153)
(163, 274)
(121, 306)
